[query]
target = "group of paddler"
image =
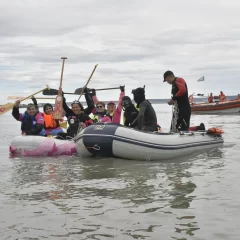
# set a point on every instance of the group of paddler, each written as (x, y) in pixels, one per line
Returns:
(140, 115)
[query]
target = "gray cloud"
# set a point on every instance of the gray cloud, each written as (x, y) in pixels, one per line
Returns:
(133, 42)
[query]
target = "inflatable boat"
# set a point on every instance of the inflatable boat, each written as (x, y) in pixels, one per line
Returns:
(116, 140)
(232, 106)
(41, 146)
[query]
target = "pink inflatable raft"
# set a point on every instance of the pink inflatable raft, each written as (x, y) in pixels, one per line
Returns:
(41, 146)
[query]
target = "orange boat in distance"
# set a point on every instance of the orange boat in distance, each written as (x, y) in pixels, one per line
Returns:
(227, 107)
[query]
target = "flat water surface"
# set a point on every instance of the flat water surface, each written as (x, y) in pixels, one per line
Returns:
(195, 197)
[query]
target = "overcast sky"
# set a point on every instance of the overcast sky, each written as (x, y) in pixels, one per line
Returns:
(133, 41)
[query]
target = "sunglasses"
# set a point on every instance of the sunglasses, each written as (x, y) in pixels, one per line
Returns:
(99, 106)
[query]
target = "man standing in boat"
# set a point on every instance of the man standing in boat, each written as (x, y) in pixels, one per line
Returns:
(222, 97)
(180, 95)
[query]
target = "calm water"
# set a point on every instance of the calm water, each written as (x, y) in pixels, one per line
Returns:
(195, 197)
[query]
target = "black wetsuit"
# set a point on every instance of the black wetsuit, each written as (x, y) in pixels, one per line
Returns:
(180, 94)
(147, 119)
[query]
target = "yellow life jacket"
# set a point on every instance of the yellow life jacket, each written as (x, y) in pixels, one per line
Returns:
(95, 118)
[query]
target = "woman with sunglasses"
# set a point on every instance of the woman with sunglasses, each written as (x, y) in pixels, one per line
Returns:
(114, 112)
(100, 114)
(77, 116)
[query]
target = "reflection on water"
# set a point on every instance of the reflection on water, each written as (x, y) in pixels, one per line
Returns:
(74, 198)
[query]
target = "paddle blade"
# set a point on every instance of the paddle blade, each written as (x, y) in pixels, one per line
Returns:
(57, 114)
(50, 92)
(5, 108)
(78, 91)
(15, 98)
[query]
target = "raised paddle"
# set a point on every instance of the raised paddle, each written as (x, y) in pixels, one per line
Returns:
(14, 97)
(52, 92)
(44, 98)
(57, 113)
(87, 82)
(5, 108)
(19, 98)
(79, 90)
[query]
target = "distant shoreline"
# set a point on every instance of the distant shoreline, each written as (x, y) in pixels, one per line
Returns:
(153, 101)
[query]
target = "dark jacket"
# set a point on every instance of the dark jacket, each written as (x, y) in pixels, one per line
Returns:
(130, 114)
(31, 125)
(74, 122)
(88, 110)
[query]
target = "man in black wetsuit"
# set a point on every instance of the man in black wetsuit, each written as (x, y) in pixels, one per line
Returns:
(179, 94)
(147, 119)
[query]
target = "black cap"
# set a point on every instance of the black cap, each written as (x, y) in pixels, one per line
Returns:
(166, 74)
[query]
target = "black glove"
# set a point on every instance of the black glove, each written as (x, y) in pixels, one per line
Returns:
(87, 90)
(93, 92)
(34, 100)
(122, 88)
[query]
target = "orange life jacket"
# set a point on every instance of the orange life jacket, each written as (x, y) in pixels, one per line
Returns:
(215, 130)
(49, 122)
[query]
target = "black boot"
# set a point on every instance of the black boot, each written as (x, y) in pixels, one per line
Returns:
(201, 127)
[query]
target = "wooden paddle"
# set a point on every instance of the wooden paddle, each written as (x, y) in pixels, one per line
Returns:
(57, 113)
(43, 98)
(5, 108)
(87, 81)
(14, 97)
(79, 90)
(19, 98)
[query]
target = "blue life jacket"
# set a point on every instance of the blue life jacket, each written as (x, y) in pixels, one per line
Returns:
(28, 122)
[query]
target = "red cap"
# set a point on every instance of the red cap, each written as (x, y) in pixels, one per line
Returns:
(111, 102)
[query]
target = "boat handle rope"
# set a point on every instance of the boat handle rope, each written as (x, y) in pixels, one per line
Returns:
(186, 133)
(96, 147)
(175, 112)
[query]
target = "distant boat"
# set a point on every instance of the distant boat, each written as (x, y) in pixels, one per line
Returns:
(227, 107)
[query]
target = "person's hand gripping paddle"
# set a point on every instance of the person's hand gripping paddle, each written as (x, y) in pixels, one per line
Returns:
(57, 113)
